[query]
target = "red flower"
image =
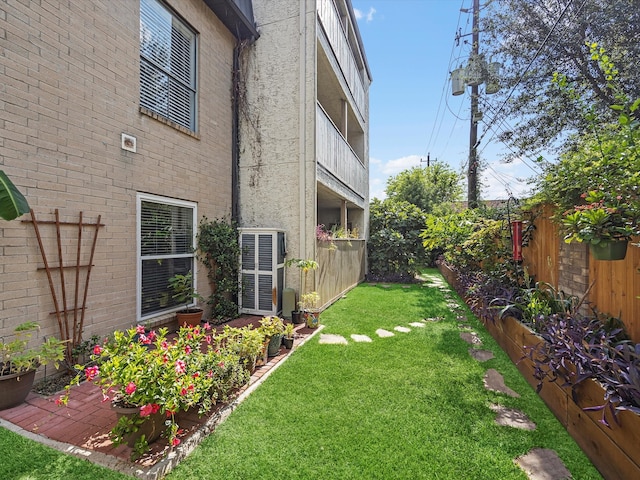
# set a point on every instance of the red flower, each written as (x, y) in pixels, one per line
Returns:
(181, 367)
(97, 350)
(187, 349)
(140, 329)
(129, 389)
(149, 409)
(175, 442)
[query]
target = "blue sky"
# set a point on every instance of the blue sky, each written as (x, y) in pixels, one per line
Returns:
(410, 46)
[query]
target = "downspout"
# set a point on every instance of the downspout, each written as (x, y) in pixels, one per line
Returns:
(235, 136)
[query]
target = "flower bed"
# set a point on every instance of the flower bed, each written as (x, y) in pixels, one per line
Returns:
(613, 448)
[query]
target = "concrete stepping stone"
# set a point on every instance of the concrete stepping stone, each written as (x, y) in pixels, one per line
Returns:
(417, 324)
(384, 333)
(462, 318)
(471, 337)
(385, 286)
(332, 339)
(481, 355)
(432, 319)
(402, 329)
(361, 338)
(465, 326)
(543, 464)
(494, 381)
(509, 417)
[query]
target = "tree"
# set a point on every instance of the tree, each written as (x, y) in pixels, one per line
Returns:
(427, 188)
(535, 39)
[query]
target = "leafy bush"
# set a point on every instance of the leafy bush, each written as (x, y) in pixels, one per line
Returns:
(219, 251)
(395, 250)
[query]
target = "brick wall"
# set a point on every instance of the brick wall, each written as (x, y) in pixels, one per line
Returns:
(69, 89)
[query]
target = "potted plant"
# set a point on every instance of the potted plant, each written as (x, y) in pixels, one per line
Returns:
(249, 343)
(305, 265)
(309, 306)
(147, 375)
(287, 341)
(606, 222)
(273, 329)
(18, 363)
(184, 292)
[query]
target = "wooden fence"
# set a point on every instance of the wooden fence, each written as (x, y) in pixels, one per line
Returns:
(341, 267)
(570, 268)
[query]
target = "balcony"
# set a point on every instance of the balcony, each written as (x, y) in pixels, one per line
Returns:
(343, 55)
(338, 165)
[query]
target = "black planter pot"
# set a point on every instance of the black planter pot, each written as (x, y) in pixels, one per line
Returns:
(288, 343)
(296, 317)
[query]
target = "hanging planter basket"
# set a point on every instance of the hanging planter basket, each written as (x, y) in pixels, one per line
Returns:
(616, 250)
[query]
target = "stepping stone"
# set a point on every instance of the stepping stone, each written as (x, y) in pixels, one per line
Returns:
(332, 339)
(543, 464)
(462, 318)
(494, 381)
(384, 333)
(385, 286)
(406, 286)
(417, 324)
(360, 338)
(471, 337)
(464, 326)
(508, 417)
(432, 319)
(481, 355)
(402, 329)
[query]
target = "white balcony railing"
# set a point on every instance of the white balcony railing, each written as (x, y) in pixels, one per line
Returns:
(334, 153)
(332, 26)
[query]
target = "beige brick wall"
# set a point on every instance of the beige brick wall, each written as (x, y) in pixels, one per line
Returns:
(70, 87)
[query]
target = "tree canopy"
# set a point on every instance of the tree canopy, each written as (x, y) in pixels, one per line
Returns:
(535, 39)
(428, 188)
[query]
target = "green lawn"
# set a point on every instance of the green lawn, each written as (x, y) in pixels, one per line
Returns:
(407, 407)
(412, 406)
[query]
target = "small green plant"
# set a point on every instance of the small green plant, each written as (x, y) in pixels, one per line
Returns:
(17, 357)
(309, 301)
(271, 326)
(288, 330)
(184, 290)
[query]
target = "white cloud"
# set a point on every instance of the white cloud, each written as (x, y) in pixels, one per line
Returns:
(396, 166)
(369, 16)
(372, 11)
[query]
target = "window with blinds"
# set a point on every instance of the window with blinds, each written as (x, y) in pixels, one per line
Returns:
(166, 246)
(167, 64)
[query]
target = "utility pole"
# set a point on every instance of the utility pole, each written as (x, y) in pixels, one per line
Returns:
(472, 176)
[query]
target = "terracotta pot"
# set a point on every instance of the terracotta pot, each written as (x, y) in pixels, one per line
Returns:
(14, 388)
(151, 426)
(189, 319)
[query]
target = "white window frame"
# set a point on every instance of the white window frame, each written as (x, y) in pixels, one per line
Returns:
(188, 86)
(145, 197)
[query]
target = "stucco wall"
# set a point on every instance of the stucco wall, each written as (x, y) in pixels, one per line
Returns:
(277, 163)
(70, 87)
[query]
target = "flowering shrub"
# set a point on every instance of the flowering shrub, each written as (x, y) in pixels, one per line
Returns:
(604, 218)
(150, 371)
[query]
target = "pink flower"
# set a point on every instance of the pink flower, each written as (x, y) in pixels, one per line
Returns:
(207, 326)
(91, 372)
(175, 442)
(152, 335)
(210, 374)
(144, 339)
(208, 339)
(149, 409)
(221, 364)
(183, 392)
(140, 329)
(129, 389)
(59, 401)
(187, 349)
(181, 367)
(164, 345)
(97, 350)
